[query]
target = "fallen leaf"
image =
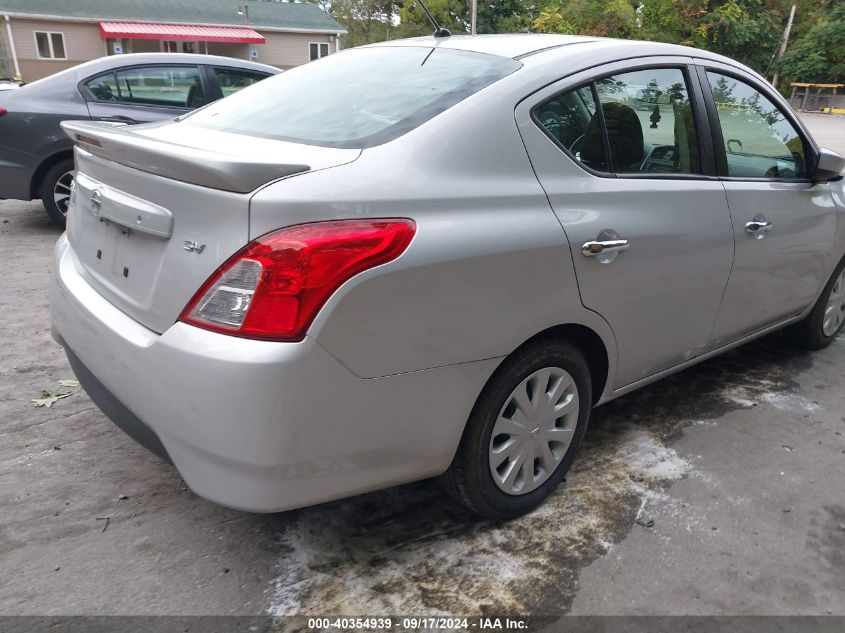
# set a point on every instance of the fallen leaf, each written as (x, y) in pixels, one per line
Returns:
(49, 398)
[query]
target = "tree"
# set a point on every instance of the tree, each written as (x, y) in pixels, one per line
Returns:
(505, 16)
(550, 20)
(818, 53)
(450, 14)
(611, 18)
(494, 16)
(366, 20)
(660, 21)
(746, 30)
(723, 91)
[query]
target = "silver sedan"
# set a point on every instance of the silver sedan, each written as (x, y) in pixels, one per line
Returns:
(434, 257)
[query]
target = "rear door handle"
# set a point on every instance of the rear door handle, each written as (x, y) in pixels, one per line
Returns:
(606, 247)
(591, 249)
(758, 226)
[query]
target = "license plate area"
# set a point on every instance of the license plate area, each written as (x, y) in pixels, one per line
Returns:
(124, 259)
(161, 274)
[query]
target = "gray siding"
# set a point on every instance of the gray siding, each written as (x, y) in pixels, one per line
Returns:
(283, 50)
(82, 40)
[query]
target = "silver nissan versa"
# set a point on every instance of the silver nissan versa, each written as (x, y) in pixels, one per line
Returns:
(433, 257)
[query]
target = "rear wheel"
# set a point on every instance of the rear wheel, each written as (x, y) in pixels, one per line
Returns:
(523, 432)
(55, 190)
(818, 329)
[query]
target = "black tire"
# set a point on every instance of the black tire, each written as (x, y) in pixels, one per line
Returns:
(48, 186)
(469, 480)
(808, 333)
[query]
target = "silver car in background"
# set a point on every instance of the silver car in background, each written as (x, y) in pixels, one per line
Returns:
(434, 257)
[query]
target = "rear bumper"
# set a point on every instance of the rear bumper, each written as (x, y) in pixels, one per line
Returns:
(114, 409)
(257, 425)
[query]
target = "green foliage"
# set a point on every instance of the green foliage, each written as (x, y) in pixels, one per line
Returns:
(451, 14)
(504, 16)
(607, 18)
(818, 55)
(749, 31)
(366, 20)
(723, 91)
(660, 20)
(550, 20)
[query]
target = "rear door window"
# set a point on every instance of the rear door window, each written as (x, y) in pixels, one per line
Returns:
(645, 124)
(570, 119)
(231, 80)
(177, 86)
(103, 88)
(649, 122)
(357, 98)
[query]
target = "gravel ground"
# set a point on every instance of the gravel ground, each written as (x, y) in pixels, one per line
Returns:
(716, 491)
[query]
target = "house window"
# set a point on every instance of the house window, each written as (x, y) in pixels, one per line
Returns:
(50, 45)
(169, 46)
(318, 50)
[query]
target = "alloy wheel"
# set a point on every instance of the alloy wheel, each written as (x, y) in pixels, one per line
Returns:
(61, 192)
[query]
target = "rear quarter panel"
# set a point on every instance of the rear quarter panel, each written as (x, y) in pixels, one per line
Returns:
(489, 266)
(30, 133)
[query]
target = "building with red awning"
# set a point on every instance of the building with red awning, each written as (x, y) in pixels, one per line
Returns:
(40, 37)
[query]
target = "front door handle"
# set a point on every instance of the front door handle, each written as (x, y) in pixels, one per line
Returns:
(758, 226)
(591, 249)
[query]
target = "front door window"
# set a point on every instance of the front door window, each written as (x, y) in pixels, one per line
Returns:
(759, 141)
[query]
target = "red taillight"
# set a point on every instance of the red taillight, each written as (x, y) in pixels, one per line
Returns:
(273, 288)
(3, 111)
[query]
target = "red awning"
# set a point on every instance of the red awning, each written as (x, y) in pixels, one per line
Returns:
(180, 32)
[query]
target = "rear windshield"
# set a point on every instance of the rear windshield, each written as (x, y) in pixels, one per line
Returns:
(356, 99)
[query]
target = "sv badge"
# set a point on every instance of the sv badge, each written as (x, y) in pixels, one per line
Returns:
(193, 247)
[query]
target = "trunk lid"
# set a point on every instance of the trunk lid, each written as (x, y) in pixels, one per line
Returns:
(156, 209)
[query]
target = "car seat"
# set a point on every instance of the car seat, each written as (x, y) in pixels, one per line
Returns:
(624, 135)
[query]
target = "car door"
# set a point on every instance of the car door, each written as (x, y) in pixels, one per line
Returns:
(620, 155)
(784, 224)
(141, 94)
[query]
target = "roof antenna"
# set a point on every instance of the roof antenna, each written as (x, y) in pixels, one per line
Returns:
(439, 31)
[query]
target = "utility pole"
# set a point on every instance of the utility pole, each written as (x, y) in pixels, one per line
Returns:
(4, 63)
(474, 18)
(784, 43)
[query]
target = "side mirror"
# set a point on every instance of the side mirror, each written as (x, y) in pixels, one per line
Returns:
(829, 166)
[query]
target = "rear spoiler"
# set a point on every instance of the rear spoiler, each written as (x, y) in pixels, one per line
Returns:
(216, 170)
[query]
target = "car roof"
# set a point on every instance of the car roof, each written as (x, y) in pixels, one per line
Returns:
(132, 59)
(75, 74)
(519, 45)
(512, 45)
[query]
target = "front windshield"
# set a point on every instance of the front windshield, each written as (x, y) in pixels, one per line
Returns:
(355, 99)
